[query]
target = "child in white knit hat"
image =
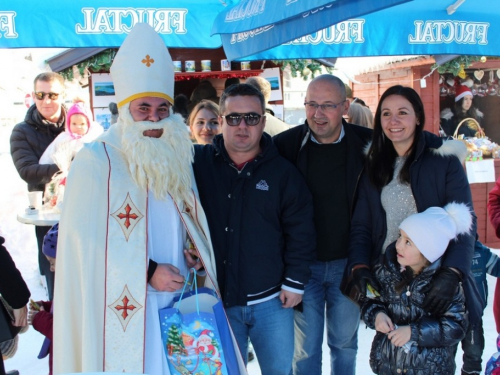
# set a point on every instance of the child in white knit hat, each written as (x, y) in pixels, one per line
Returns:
(409, 340)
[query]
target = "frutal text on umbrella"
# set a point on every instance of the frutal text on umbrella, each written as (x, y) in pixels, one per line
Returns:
(461, 32)
(7, 25)
(122, 20)
(425, 32)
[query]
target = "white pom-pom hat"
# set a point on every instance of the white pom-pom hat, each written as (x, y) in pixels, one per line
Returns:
(432, 230)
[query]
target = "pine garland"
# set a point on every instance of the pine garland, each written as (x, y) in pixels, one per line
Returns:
(458, 65)
(100, 62)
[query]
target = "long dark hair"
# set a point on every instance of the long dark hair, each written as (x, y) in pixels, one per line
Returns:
(382, 154)
(460, 114)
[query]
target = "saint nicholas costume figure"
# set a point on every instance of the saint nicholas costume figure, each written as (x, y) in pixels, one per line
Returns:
(131, 209)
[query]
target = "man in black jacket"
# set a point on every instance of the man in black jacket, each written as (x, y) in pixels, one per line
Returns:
(329, 153)
(43, 123)
(260, 216)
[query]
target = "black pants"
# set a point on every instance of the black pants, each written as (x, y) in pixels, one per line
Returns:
(2, 368)
(473, 347)
(43, 263)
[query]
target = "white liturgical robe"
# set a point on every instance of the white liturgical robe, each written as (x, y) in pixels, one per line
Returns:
(105, 312)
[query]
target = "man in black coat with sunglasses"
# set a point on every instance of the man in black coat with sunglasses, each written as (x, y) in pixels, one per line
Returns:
(260, 216)
(43, 123)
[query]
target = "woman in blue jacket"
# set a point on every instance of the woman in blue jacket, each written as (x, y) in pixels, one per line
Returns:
(409, 170)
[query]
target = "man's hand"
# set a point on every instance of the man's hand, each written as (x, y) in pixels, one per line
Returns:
(400, 336)
(289, 299)
(363, 276)
(192, 259)
(383, 323)
(166, 278)
(21, 317)
(441, 291)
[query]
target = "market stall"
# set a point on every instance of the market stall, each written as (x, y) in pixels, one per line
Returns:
(90, 67)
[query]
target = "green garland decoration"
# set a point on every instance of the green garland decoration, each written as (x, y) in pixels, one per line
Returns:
(306, 69)
(100, 62)
(457, 65)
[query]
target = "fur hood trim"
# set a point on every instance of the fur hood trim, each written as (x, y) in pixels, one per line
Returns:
(446, 113)
(452, 148)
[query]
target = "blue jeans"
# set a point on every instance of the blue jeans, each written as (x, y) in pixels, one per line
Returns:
(342, 321)
(270, 328)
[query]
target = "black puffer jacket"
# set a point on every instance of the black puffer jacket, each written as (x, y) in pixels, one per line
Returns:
(28, 141)
(12, 286)
(436, 336)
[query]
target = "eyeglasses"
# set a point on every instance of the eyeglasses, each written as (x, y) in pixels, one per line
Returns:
(234, 119)
(40, 95)
(324, 107)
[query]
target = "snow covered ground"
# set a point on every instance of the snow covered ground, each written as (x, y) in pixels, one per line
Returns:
(21, 242)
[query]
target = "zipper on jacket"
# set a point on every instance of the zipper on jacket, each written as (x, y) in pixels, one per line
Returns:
(237, 170)
(411, 185)
(355, 191)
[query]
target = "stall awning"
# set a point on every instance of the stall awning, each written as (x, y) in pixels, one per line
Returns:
(71, 57)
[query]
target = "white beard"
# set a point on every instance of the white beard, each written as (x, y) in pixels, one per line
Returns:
(163, 164)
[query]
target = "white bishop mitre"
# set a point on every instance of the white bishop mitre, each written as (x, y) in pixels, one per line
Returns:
(142, 67)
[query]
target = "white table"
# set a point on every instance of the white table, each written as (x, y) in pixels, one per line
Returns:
(42, 218)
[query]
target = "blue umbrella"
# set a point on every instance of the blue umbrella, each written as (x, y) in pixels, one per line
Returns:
(419, 27)
(252, 26)
(106, 23)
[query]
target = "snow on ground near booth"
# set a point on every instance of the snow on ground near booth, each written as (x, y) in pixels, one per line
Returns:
(21, 242)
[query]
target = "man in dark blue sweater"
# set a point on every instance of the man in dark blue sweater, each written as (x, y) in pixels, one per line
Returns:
(260, 216)
(329, 153)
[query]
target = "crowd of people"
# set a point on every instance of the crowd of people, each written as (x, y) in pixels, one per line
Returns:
(297, 230)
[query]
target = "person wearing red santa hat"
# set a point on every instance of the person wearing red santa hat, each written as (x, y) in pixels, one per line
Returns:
(464, 108)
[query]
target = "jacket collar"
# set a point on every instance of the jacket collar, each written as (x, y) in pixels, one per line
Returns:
(34, 118)
(439, 147)
(307, 132)
(390, 261)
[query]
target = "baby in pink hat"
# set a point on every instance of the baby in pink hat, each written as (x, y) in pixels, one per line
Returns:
(80, 129)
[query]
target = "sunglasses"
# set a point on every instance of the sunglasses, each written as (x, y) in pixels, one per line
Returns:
(40, 95)
(234, 119)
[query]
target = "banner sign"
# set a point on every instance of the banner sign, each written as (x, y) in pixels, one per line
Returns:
(419, 27)
(256, 25)
(106, 23)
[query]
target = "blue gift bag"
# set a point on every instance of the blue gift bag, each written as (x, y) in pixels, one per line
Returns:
(196, 335)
